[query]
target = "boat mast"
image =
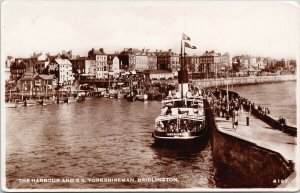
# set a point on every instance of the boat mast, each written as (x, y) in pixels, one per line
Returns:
(46, 88)
(181, 69)
(10, 96)
(22, 91)
(182, 74)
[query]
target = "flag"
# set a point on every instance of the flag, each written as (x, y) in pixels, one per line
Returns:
(185, 37)
(189, 46)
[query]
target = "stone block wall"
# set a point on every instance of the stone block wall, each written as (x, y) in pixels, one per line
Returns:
(258, 165)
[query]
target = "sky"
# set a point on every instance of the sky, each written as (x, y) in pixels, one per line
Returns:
(268, 28)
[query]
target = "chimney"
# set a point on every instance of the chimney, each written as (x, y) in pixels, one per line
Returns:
(170, 50)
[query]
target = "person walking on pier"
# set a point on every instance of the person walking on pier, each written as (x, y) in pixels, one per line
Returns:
(235, 121)
(242, 108)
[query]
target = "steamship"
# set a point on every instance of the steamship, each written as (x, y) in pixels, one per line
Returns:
(182, 116)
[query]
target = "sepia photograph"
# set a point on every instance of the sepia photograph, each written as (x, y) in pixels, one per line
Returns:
(135, 96)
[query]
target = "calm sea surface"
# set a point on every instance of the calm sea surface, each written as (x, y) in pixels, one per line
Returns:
(280, 98)
(111, 138)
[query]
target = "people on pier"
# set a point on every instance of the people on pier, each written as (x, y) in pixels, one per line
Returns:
(282, 121)
(235, 120)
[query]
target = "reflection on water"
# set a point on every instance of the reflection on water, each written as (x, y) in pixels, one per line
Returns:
(110, 138)
(100, 138)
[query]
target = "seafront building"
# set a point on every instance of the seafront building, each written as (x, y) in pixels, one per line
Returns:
(100, 68)
(193, 63)
(113, 65)
(168, 60)
(133, 59)
(156, 65)
(83, 65)
(152, 60)
(210, 63)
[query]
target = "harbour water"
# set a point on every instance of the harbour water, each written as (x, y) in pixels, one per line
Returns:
(111, 138)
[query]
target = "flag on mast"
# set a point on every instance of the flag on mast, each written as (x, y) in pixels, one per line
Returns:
(185, 37)
(189, 46)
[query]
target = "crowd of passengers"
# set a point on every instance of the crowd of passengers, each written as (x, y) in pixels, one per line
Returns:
(235, 105)
(170, 126)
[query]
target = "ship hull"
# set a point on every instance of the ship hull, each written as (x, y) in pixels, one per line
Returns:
(178, 138)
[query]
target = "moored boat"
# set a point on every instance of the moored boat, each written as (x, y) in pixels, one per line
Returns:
(29, 102)
(106, 94)
(48, 101)
(40, 102)
(121, 94)
(142, 97)
(181, 120)
(113, 94)
(131, 97)
(182, 117)
(10, 105)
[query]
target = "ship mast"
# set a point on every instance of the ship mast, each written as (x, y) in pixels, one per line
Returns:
(181, 70)
(183, 79)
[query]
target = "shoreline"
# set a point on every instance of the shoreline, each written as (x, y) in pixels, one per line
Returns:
(244, 80)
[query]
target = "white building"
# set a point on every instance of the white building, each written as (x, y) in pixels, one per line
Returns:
(101, 62)
(90, 67)
(8, 63)
(141, 61)
(101, 66)
(113, 65)
(253, 62)
(225, 60)
(65, 71)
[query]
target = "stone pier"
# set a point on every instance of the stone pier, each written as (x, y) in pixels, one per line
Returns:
(206, 83)
(263, 155)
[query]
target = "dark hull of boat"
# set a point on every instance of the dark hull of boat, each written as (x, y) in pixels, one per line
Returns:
(131, 98)
(179, 138)
(40, 102)
(64, 99)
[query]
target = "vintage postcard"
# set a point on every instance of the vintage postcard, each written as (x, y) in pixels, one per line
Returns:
(149, 96)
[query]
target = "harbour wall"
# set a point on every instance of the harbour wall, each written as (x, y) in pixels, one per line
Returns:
(272, 121)
(258, 165)
(207, 83)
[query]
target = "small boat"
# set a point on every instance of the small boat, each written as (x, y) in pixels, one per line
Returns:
(142, 97)
(120, 94)
(181, 120)
(48, 102)
(81, 98)
(131, 97)
(106, 94)
(113, 94)
(10, 105)
(30, 102)
(62, 99)
(40, 102)
(72, 99)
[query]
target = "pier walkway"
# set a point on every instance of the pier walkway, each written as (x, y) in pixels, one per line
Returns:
(261, 134)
